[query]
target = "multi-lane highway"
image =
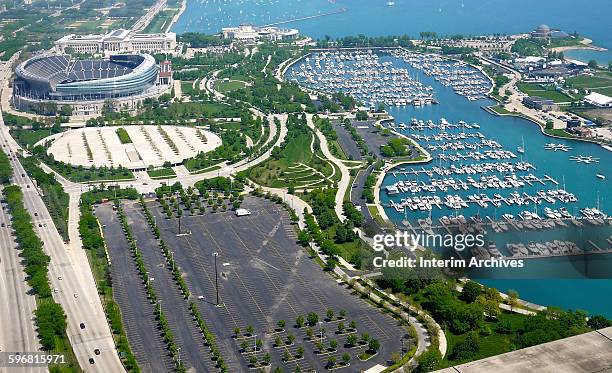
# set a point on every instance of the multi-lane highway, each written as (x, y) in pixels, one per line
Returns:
(17, 328)
(69, 273)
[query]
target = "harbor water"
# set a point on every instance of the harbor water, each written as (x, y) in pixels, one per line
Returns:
(376, 18)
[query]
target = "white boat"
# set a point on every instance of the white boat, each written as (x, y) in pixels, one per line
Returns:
(521, 149)
(601, 176)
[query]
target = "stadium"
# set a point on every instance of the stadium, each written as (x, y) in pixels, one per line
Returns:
(45, 82)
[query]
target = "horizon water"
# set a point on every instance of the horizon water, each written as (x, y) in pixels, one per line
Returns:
(447, 17)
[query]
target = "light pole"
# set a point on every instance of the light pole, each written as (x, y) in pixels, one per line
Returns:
(148, 278)
(255, 346)
(178, 353)
(215, 255)
(172, 258)
(321, 330)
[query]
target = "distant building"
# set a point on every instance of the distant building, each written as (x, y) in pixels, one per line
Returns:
(542, 31)
(597, 99)
(539, 103)
(251, 33)
(117, 41)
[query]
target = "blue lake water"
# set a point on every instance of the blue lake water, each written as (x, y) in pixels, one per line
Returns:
(466, 17)
(374, 17)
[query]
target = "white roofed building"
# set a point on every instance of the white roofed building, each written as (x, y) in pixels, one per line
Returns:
(251, 33)
(598, 99)
(118, 41)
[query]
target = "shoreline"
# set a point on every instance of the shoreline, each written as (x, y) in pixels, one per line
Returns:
(178, 15)
(585, 44)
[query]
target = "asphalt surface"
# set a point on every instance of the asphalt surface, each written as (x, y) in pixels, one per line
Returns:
(17, 327)
(137, 312)
(346, 142)
(194, 354)
(77, 291)
(264, 276)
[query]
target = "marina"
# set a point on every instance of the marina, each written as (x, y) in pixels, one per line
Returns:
(390, 77)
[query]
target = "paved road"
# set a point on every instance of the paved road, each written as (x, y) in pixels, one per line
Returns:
(17, 328)
(345, 175)
(77, 291)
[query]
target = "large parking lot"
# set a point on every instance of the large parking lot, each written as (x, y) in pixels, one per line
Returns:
(264, 277)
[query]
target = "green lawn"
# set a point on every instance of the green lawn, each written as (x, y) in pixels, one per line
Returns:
(160, 22)
(544, 91)
(232, 85)
(499, 109)
(601, 82)
(490, 345)
(161, 173)
(279, 173)
(30, 137)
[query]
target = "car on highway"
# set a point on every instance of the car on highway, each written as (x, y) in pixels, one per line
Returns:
(97, 351)
(76, 295)
(59, 278)
(82, 325)
(91, 360)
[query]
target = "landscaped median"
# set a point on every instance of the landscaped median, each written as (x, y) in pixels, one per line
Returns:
(208, 336)
(151, 294)
(50, 317)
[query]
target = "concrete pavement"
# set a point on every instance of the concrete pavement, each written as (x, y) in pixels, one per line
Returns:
(17, 327)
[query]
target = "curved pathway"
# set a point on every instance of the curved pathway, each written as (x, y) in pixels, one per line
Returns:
(345, 175)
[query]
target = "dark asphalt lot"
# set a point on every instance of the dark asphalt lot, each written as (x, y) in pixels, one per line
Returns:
(264, 276)
(137, 313)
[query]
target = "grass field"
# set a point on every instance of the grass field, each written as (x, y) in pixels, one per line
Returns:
(30, 137)
(601, 82)
(296, 166)
(228, 86)
(160, 22)
(544, 91)
(490, 345)
(161, 173)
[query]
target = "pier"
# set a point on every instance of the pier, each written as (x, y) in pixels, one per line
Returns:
(339, 11)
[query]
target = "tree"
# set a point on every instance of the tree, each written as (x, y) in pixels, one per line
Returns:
(346, 358)
(333, 344)
(342, 313)
(236, 331)
(299, 321)
(373, 345)
(599, 322)
(429, 360)
(309, 333)
(341, 327)
(490, 306)
(466, 348)
(396, 357)
(267, 359)
(331, 361)
(512, 299)
(300, 351)
(281, 324)
(593, 64)
(249, 329)
(361, 115)
(351, 340)
(550, 124)
(290, 339)
(330, 314)
(312, 318)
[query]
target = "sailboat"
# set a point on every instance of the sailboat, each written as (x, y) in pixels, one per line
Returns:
(521, 149)
(601, 176)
